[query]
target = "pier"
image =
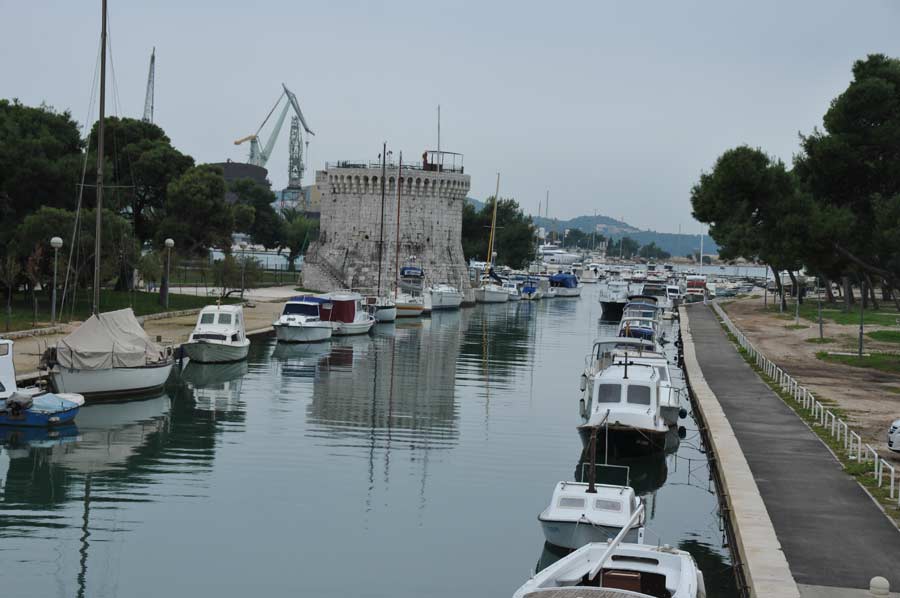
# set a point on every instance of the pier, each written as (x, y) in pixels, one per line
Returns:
(800, 482)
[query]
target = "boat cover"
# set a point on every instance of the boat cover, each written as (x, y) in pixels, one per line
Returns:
(111, 340)
(564, 279)
(412, 271)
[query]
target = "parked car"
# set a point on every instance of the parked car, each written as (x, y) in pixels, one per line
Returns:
(894, 436)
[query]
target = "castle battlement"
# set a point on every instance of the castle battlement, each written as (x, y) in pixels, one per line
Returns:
(431, 200)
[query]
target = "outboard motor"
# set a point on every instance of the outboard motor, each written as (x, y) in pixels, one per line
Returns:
(18, 402)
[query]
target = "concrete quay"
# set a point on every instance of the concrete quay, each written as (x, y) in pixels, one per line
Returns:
(804, 527)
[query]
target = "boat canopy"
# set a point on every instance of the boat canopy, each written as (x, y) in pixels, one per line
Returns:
(111, 340)
(564, 279)
(412, 272)
(301, 308)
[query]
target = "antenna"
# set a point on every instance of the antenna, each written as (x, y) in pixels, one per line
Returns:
(439, 129)
(148, 98)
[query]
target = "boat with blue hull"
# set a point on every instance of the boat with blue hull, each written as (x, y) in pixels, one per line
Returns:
(31, 407)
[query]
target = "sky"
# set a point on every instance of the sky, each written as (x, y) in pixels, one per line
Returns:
(613, 107)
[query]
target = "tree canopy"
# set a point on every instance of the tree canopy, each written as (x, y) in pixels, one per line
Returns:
(514, 239)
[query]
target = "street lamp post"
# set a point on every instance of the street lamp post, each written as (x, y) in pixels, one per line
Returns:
(55, 243)
(243, 264)
(169, 245)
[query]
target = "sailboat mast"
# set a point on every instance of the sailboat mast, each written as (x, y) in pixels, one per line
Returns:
(490, 255)
(397, 257)
(381, 235)
(99, 219)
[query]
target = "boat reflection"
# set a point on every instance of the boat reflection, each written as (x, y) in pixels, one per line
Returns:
(645, 474)
(215, 386)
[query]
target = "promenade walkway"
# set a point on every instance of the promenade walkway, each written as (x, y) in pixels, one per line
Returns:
(832, 533)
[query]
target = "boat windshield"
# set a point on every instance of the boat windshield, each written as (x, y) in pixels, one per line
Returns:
(609, 393)
(207, 318)
(225, 319)
(302, 309)
(639, 395)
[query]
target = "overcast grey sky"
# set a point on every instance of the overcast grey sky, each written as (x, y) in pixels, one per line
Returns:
(612, 106)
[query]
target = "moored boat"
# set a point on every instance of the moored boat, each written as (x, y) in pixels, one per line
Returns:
(219, 336)
(442, 296)
(300, 322)
(346, 313)
(31, 407)
(565, 284)
(581, 513)
(108, 356)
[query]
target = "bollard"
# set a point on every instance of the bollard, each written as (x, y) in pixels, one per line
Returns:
(879, 586)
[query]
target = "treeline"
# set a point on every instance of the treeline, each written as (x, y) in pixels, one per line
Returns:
(514, 240)
(836, 211)
(152, 191)
(625, 247)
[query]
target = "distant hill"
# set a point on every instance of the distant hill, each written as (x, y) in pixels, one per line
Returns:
(611, 228)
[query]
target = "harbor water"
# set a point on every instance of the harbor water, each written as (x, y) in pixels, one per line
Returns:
(409, 463)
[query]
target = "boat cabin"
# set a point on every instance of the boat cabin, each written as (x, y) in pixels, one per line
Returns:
(7, 370)
(307, 307)
(341, 307)
(220, 323)
(623, 389)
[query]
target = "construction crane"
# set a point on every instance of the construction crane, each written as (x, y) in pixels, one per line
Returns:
(148, 98)
(261, 150)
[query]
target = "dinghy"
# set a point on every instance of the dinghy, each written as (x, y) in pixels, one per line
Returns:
(31, 407)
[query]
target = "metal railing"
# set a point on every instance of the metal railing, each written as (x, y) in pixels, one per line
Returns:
(823, 417)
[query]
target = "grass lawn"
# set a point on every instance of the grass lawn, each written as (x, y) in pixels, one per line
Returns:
(142, 303)
(885, 362)
(885, 336)
(820, 341)
(886, 316)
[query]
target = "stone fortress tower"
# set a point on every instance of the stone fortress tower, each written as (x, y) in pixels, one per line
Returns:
(432, 193)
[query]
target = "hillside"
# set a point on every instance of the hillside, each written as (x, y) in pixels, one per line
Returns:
(674, 243)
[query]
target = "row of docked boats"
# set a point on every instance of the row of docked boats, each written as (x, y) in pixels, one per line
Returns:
(497, 289)
(630, 405)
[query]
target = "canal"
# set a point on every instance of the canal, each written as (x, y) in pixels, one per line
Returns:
(409, 463)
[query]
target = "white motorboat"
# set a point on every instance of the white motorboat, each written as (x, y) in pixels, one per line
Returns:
(109, 355)
(579, 514)
(490, 292)
(618, 570)
(531, 290)
(219, 336)
(613, 297)
(347, 313)
(513, 289)
(624, 399)
(565, 284)
(549, 253)
(383, 308)
(591, 273)
(442, 296)
(409, 306)
(300, 322)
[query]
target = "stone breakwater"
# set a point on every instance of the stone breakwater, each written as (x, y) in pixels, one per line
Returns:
(347, 250)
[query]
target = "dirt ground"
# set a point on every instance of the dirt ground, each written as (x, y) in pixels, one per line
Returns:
(266, 305)
(863, 393)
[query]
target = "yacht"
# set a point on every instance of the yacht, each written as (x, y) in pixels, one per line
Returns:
(442, 296)
(554, 254)
(592, 273)
(108, 356)
(490, 292)
(409, 305)
(219, 336)
(347, 313)
(301, 322)
(619, 570)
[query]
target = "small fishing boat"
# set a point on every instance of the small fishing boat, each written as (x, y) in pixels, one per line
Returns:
(531, 290)
(31, 407)
(219, 336)
(300, 321)
(618, 570)
(565, 284)
(579, 514)
(512, 289)
(383, 308)
(108, 356)
(347, 314)
(442, 296)
(613, 297)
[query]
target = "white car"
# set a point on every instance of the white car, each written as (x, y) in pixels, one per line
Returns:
(894, 436)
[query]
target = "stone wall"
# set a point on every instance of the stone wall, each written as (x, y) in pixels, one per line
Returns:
(346, 253)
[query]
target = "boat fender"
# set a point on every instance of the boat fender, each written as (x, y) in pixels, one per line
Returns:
(583, 382)
(682, 432)
(682, 413)
(582, 408)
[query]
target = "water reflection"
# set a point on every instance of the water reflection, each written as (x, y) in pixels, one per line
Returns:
(216, 386)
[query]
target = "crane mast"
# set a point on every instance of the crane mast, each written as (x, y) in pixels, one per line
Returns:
(148, 98)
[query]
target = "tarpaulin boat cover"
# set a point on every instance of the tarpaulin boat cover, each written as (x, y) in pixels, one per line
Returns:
(111, 340)
(564, 279)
